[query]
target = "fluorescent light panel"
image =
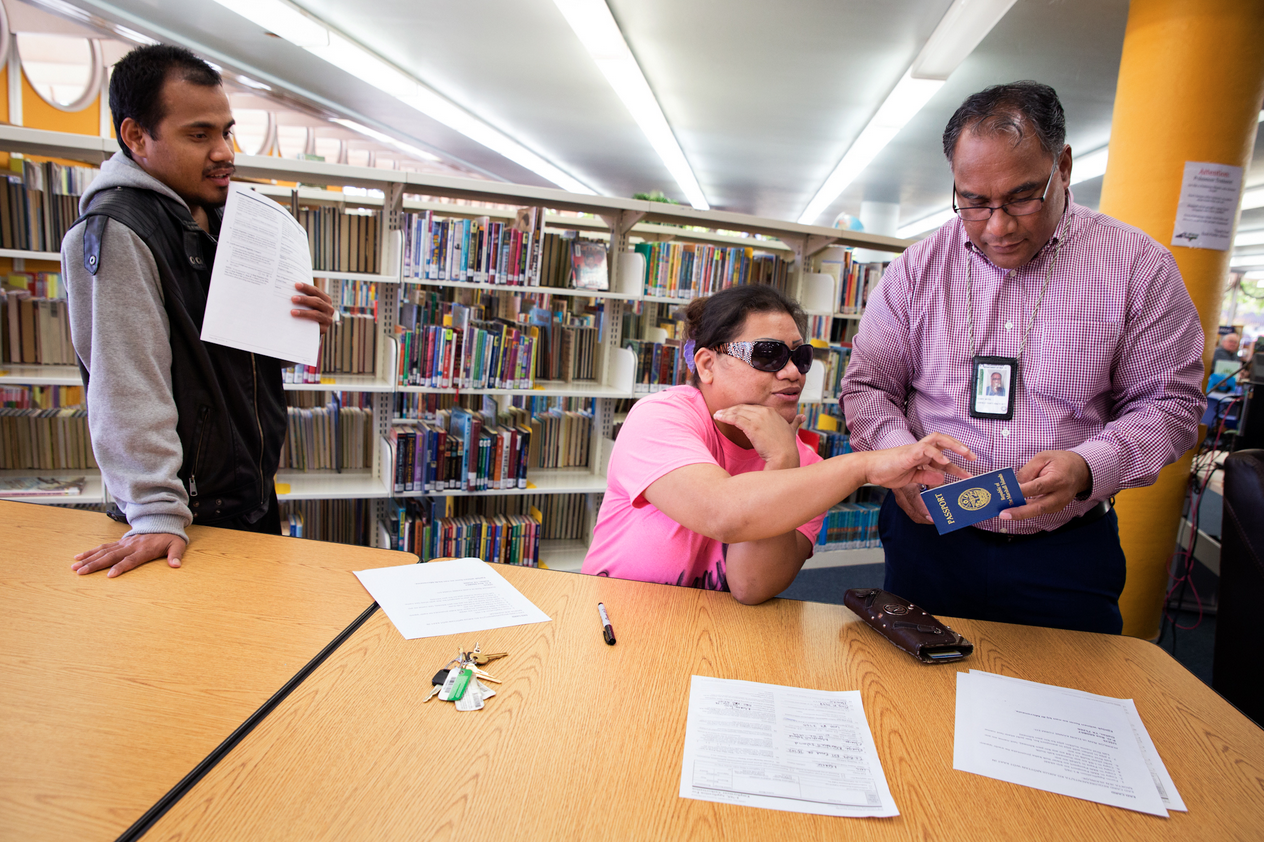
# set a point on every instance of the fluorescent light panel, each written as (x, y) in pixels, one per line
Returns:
(600, 34)
(1253, 197)
(289, 22)
(380, 137)
(963, 26)
(926, 223)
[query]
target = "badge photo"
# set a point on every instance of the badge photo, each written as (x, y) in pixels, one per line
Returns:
(993, 388)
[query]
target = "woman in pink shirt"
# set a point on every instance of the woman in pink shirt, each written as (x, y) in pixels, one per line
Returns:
(710, 486)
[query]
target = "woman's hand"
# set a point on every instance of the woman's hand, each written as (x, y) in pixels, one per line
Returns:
(921, 462)
(769, 434)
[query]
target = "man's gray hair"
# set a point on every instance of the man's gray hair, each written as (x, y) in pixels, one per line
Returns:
(1014, 109)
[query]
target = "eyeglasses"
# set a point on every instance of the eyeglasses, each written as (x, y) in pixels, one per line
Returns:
(1018, 207)
(769, 354)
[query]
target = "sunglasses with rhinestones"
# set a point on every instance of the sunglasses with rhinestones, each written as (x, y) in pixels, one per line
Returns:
(769, 354)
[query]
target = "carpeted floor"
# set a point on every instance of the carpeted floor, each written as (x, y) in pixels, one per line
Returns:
(1192, 647)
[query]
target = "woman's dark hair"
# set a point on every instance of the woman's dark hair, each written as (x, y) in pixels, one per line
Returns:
(137, 80)
(1012, 109)
(718, 318)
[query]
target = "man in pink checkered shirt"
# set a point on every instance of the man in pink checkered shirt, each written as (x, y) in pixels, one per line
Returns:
(1091, 326)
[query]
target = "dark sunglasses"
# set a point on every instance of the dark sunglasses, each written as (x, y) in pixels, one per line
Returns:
(769, 354)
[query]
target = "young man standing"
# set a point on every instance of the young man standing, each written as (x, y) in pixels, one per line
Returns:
(183, 431)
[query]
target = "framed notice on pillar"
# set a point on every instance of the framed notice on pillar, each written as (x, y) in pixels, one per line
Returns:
(1208, 206)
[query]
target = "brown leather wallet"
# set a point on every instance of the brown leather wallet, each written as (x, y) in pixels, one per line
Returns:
(907, 626)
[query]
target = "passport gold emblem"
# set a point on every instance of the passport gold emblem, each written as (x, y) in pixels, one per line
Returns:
(973, 499)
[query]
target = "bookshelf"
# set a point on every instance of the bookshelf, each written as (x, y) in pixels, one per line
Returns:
(619, 222)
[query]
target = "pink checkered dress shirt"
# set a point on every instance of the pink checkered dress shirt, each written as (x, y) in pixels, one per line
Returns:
(1113, 368)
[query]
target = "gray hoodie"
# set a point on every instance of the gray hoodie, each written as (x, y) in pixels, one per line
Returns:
(120, 332)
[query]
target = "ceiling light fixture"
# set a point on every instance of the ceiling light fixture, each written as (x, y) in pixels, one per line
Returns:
(1253, 197)
(294, 25)
(962, 27)
(1249, 238)
(1090, 165)
(926, 223)
(380, 137)
(599, 33)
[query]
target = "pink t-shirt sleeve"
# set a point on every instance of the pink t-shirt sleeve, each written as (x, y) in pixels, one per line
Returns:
(664, 436)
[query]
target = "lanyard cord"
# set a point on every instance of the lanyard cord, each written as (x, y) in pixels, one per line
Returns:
(970, 297)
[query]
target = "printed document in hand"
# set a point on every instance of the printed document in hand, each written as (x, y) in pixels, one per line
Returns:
(262, 252)
(1060, 740)
(782, 748)
(448, 597)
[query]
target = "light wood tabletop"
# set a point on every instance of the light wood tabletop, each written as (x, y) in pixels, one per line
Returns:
(114, 689)
(585, 740)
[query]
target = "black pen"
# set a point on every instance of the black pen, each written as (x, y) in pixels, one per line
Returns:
(607, 630)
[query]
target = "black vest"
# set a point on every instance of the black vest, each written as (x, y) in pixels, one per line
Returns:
(231, 403)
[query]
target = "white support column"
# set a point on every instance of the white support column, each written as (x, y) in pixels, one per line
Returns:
(15, 83)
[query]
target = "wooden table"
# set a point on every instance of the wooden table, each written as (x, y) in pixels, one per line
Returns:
(584, 741)
(115, 689)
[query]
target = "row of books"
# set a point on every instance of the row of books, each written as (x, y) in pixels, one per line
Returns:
(849, 526)
(41, 397)
(691, 270)
(343, 240)
(39, 203)
(822, 416)
(855, 286)
(45, 439)
(826, 442)
(834, 359)
(328, 438)
(480, 250)
(460, 451)
(34, 331)
(349, 347)
(343, 521)
(481, 355)
(659, 365)
(424, 527)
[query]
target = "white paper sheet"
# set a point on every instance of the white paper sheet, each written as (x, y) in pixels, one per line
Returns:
(1075, 744)
(262, 252)
(448, 597)
(1208, 206)
(1158, 771)
(782, 748)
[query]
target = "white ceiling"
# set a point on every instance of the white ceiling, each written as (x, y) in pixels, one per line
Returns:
(763, 98)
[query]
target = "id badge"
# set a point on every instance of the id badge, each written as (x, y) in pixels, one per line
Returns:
(992, 395)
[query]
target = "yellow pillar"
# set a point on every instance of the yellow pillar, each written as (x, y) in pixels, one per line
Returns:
(1191, 81)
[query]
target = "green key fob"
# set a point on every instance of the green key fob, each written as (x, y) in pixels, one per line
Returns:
(455, 684)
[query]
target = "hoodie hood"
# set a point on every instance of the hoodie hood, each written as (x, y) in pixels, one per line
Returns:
(122, 171)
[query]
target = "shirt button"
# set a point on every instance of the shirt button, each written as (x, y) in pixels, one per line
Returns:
(1005, 432)
(1004, 530)
(1009, 325)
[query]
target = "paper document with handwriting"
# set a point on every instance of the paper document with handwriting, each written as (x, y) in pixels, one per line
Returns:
(448, 597)
(261, 253)
(1069, 742)
(782, 748)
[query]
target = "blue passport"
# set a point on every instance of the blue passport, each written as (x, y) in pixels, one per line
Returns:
(968, 501)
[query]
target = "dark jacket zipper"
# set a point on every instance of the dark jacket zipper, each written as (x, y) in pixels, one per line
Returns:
(197, 454)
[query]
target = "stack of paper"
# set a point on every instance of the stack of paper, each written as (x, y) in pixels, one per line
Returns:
(782, 748)
(1060, 740)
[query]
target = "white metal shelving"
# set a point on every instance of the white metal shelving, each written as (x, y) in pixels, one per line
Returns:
(620, 220)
